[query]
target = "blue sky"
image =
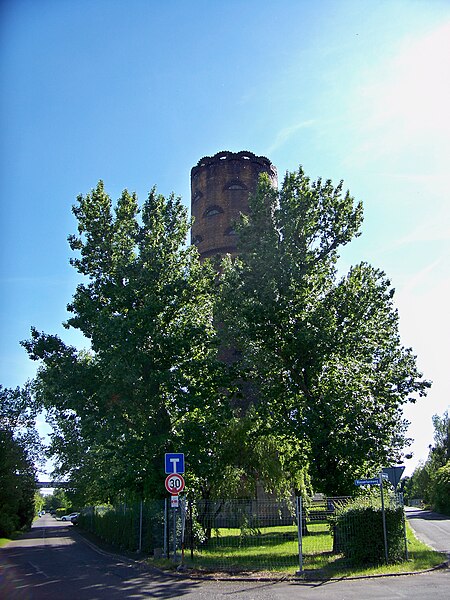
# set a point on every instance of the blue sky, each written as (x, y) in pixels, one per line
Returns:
(136, 92)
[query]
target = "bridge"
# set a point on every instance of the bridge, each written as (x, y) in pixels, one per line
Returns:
(52, 484)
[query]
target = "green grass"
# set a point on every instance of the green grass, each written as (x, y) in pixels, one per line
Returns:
(421, 557)
(276, 550)
(14, 536)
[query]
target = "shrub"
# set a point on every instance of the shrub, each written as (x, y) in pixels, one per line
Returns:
(358, 532)
(8, 524)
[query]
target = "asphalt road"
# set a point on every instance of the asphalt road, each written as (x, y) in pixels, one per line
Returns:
(431, 528)
(53, 562)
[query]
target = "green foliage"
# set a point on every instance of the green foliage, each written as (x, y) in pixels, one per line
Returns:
(428, 482)
(440, 452)
(418, 486)
(358, 532)
(17, 485)
(440, 489)
(247, 456)
(323, 354)
(19, 448)
(39, 502)
(319, 379)
(150, 383)
(57, 500)
(119, 525)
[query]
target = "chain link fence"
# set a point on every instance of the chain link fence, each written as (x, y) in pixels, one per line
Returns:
(291, 535)
(136, 527)
(242, 534)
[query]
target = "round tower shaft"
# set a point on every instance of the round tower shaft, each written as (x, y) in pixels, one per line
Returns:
(220, 188)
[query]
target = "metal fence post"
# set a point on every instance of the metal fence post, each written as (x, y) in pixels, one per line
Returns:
(183, 526)
(300, 534)
(192, 529)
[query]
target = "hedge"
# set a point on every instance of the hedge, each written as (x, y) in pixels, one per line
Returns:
(358, 533)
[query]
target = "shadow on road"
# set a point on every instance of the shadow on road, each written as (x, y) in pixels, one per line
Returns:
(51, 562)
(426, 514)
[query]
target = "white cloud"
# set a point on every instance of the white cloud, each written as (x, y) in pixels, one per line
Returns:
(286, 133)
(434, 229)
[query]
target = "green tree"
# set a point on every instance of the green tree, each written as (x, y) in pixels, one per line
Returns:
(440, 489)
(146, 307)
(429, 480)
(39, 502)
(58, 499)
(440, 451)
(323, 354)
(418, 486)
(20, 449)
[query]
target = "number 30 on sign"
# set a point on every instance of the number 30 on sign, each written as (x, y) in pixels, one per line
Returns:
(174, 483)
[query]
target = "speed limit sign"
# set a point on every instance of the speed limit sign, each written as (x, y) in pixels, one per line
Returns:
(174, 483)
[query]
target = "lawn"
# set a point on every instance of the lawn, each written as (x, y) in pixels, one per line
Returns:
(276, 550)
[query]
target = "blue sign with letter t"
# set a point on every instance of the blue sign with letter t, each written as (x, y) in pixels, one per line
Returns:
(174, 463)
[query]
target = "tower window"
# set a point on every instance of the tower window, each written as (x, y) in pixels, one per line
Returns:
(196, 197)
(235, 185)
(213, 210)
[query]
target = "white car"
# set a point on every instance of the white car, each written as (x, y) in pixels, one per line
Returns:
(69, 517)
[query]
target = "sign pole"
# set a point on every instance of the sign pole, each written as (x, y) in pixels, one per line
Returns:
(174, 467)
(174, 534)
(383, 515)
(166, 528)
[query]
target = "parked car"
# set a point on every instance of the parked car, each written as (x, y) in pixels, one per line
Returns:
(75, 519)
(69, 517)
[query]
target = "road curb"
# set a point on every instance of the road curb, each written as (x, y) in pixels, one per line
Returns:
(141, 564)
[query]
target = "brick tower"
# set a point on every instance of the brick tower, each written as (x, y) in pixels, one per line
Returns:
(220, 187)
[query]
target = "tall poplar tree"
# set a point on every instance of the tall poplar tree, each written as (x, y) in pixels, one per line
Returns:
(323, 353)
(145, 305)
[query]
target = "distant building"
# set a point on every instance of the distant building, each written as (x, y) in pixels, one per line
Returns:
(220, 187)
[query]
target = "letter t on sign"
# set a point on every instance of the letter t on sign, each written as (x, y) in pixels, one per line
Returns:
(174, 463)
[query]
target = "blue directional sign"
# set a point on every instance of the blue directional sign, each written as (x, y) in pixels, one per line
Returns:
(174, 463)
(373, 481)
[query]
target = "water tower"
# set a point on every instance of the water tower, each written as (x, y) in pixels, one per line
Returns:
(220, 187)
